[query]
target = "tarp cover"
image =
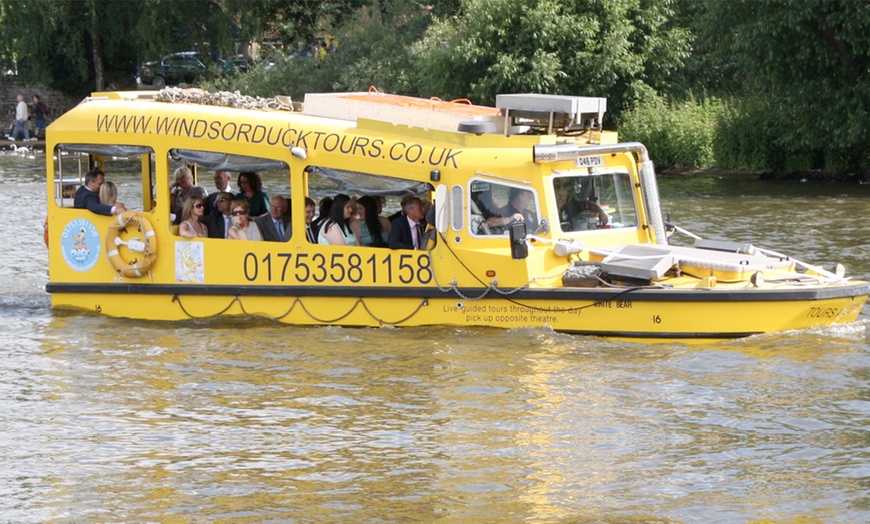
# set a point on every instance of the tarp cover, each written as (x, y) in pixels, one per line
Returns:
(105, 149)
(227, 162)
(356, 182)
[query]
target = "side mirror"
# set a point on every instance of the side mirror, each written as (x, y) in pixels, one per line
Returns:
(543, 227)
(519, 249)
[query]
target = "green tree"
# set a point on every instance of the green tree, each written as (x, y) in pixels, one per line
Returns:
(624, 50)
(801, 71)
(375, 49)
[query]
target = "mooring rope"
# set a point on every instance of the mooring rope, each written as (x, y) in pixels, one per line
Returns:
(177, 95)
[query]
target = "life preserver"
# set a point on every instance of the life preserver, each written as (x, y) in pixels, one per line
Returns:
(142, 248)
(45, 231)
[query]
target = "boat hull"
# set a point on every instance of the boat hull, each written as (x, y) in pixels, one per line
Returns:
(654, 314)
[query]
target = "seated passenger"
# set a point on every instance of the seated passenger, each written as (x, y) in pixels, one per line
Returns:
(243, 228)
(220, 221)
(275, 226)
(222, 182)
(192, 225)
(323, 212)
(406, 232)
(578, 213)
(310, 233)
(251, 190)
(335, 229)
(87, 196)
(108, 194)
(515, 211)
(584, 214)
(181, 190)
(374, 229)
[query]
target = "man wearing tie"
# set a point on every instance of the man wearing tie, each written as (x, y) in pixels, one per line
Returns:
(219, 221)
(275, 225)
(222, 182)
(406, 232)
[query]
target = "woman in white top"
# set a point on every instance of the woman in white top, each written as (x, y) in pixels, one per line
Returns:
(336, 230)
(191, 219)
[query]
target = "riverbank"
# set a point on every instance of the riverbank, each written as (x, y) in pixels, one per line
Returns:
(803, 176)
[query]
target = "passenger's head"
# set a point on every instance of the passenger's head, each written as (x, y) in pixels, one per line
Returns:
(193, 209)
(94, 179)
(20, 98)
(250, 182)
(341, 209)
(353, 200)
(277, 206)
(224, 202)
(35, 99)
(412, 207)
(309, 210)
(519, 198)
(108, 193)
(367, 208)
(221, 179)
(240, 210)
(183, 177)
(325, 206)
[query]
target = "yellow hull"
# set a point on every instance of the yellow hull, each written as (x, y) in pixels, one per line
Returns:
(632, 317)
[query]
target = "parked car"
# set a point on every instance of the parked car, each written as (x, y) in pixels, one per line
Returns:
(238, 63)
(175, 69)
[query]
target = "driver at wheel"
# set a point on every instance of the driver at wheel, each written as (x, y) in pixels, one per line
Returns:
(517, 210)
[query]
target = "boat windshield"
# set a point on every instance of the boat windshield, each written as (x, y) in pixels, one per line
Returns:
(600, 200)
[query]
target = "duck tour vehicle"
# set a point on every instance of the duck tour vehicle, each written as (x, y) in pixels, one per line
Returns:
(538, 217)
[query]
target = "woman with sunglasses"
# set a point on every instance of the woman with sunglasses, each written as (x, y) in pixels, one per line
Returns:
(243, 228)
(192, 225)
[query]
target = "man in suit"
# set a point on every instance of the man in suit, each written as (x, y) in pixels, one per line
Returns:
(88, 196)
(275, 226)
(219, 221)
(310, 234)
(406, 232)
(222, 182)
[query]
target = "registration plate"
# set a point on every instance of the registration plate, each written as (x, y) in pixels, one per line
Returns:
(589, 161)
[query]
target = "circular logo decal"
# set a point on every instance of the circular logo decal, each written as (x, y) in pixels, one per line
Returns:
(80, 244)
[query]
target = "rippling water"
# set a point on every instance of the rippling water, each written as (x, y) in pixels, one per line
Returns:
(105, 420)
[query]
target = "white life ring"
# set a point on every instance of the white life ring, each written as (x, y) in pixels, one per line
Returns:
(142, 248)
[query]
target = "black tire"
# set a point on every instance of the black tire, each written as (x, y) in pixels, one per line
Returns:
(159, 82)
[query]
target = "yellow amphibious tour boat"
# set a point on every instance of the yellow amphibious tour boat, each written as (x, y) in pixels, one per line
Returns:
(538, 218)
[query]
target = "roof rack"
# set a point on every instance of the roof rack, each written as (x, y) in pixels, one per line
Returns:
(552, 113)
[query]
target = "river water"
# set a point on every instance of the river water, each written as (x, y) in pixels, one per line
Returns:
(105, 420)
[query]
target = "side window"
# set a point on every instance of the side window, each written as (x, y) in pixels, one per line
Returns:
(375, 202)
(457, 208)
(128, 171)
(493, 206)
(225, 182)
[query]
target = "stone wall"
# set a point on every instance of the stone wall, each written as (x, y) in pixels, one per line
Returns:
(10, 88)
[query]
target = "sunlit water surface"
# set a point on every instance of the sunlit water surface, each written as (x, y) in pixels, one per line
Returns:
(108, 420)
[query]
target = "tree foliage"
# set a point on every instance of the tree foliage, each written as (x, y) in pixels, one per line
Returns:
(800, 71)
(621, 49)
(784, 81)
